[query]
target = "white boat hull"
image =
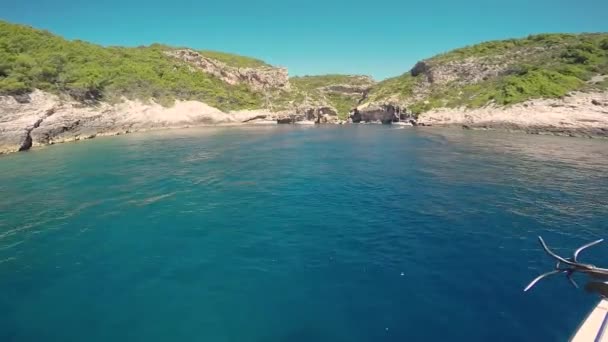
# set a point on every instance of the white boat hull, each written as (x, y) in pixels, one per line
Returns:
(595, 326)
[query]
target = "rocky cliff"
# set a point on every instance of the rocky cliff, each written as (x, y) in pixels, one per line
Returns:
(54, 90)
(259, 78)
(332, 96)
(48, 119)
(553, 83)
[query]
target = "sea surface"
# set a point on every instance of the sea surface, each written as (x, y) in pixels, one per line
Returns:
(333, 233)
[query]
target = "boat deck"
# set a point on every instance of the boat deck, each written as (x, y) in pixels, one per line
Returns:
(595, 326)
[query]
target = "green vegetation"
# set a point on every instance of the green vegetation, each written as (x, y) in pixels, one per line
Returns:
(508, 90)
(234, 60)
(343, 103)
(539, 66)
(315, 82)
(402, 85)
(32, 59)
(324, 89)
(497, 47)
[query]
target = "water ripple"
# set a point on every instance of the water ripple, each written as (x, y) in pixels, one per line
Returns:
(240, 234)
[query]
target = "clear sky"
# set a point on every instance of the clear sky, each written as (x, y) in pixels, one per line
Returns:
(381, 38)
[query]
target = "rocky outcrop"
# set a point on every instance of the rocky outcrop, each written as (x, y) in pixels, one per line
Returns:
(358, 87)
(355, 116)
(421, 68)
(316, 113)
(373, 113)
(319, 115)
(432, 74)
(286, 120)
(257, 117)
(48, 119)
(28, 141)
(465, 71)
(346, 89)
(259, 78)
(18, 118)
(327, 93)
(574, 115)
(447, 78)
(43, 119)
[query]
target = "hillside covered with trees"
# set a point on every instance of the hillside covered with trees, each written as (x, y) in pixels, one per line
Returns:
(31, 58)
(501, 73)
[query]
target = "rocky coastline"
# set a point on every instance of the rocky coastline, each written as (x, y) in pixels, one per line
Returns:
(46, 119)
(544, 84)
(579, 114)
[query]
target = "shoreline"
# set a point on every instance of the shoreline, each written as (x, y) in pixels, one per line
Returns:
(46, 119)
(496, 127)
(507, 127)
(36, 145)
(579, 114)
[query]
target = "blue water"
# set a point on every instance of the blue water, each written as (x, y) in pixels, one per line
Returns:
(365, 233)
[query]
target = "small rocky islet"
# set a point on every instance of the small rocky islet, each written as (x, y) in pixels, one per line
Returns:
(54, 90)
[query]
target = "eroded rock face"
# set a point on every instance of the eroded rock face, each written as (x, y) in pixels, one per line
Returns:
(373, 113)
(355, 116)
(420, 68)
(346, 89)
(22, 98)
(575, 114)
(315, 113)
(286, 120)
(467, 71)
(438, 73)
(262, 78)
(358, 88)
(48, 119)
(18, 119)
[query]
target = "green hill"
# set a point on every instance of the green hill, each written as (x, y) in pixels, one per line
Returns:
(234, 60)
(36, 59)
(501, 73)
(31, 58)
(341, 92)
(497, 72)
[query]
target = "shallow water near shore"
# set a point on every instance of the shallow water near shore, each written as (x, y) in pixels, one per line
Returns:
(333, 233)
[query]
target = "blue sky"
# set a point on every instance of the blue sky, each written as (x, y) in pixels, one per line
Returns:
(381, 38)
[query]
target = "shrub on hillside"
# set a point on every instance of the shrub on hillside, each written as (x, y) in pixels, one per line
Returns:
(32, 58)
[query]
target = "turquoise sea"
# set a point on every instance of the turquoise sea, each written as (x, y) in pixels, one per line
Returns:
(333, 233)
